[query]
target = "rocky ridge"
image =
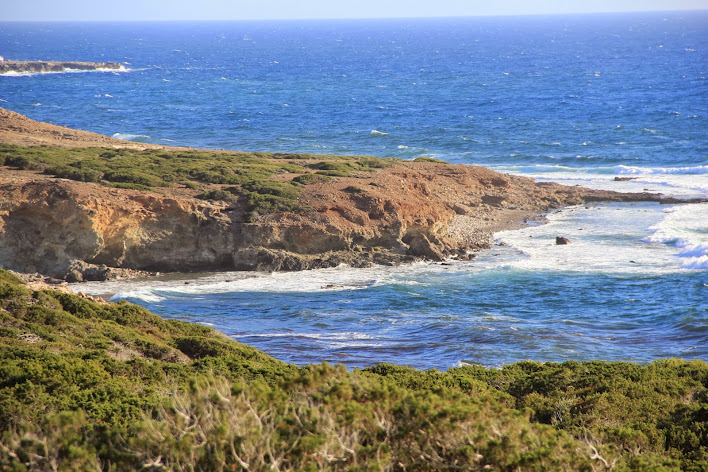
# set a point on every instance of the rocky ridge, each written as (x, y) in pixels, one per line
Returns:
(406, 212)
(39, 67)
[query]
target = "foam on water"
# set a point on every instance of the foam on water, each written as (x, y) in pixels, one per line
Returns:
(620, 238)
(685, 228)
(140, 138)
(617, 238)
(676, 181)
(122, 68)
(633, 170)
(342, 278)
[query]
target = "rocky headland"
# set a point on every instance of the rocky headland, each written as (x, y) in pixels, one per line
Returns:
(392, 212)
(39, 67)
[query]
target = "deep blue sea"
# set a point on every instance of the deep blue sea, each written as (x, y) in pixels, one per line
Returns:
(573, 99)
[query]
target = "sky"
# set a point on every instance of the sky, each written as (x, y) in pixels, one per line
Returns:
(171, 10)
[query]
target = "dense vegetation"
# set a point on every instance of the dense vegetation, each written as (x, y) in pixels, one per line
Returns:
(95, 386)
(216, 175)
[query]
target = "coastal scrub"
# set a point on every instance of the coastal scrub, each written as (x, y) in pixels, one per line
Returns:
(220, 175)
(90, 385)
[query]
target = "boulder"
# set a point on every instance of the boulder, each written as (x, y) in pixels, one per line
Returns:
(421, 246)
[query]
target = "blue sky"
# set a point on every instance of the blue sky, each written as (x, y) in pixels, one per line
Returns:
(74, 10)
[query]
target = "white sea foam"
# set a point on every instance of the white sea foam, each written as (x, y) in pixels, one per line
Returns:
(131, 137)
(700, 263)
(138, 294)
(341, 278)
(614, 238)
(685, 228)
(611, 238)
(688, 170)
(687, 181)
(605, 238)
(122, 68)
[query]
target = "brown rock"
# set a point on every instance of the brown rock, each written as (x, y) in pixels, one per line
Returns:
(421, 246)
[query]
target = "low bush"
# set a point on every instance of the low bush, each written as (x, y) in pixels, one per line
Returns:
(354, 189)
(217, 194)
(429, 159)
(88, 386)
(309, 179)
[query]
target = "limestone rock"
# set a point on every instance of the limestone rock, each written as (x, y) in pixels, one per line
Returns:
(421, 246)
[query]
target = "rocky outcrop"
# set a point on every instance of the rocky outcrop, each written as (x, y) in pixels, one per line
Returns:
(84, 231)
(67, 230)
(401, 213)
(38, 67)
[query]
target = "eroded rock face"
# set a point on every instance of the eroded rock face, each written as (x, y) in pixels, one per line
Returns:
(66, 229)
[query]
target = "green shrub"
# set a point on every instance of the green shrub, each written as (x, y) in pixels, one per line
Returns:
(249, 174)
(354, 189)
(309, 179)
(337, 169)
(217, 194)
(429, 159)
(134, 177)
(23, 163)
(81, 175)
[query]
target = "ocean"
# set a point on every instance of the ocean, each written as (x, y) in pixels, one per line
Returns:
(580, 100)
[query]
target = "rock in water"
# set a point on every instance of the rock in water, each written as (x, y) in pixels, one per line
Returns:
(560, 241)
(38, 67)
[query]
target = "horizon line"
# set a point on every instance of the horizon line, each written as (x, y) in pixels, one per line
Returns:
(495, 15)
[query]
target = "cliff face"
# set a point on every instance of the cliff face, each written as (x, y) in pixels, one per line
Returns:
(36, 67)
(62, 228)
(75, 230)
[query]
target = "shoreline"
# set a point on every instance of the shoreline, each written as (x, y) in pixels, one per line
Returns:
(305, 212)
(147, 365)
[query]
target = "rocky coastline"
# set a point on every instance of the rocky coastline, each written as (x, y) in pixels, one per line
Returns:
(404, 212)
(41, 67)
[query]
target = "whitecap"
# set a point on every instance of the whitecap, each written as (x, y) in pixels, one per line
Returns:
(375, 132)
(131, 137)
(687, 170)
(615, 238)
(145, 295)
(684, 227)
(698, 263)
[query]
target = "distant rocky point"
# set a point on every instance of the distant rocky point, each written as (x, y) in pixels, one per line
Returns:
(36, 67)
